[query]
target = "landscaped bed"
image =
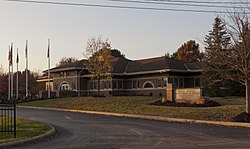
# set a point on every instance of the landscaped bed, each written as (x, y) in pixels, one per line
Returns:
(231, 106)
(25, 129)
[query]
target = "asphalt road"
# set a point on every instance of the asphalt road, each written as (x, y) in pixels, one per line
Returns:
(83, 131)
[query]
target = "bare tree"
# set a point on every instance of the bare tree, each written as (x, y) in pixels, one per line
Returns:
(231, 61)
(99, 57)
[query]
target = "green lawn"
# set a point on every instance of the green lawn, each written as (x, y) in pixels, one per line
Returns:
(25, 129)
(231, 106)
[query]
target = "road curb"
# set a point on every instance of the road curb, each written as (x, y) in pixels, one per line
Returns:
(147, 117)
(29, 140)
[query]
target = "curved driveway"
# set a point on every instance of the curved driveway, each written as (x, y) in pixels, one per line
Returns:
(83, 131)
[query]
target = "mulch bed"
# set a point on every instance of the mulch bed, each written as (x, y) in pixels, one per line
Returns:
(207, 104)
(243, 117)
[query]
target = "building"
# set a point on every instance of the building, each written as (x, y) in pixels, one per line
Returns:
(128, 77)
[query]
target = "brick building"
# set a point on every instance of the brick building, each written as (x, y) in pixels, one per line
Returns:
(128, 77)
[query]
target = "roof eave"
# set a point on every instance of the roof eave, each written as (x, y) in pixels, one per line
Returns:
(64, 69)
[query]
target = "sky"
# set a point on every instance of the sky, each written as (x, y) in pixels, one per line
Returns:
(136, 33)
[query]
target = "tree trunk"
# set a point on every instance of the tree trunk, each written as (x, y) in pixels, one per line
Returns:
(247, 96)
(99, 86)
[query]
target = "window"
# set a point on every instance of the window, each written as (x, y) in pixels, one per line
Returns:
(176, 82)
(91, 85)
(120, 84)
(94, 85)
(181, 82)
(109, 84)
(170, 80)
(114, 84)
(64, 86)
(159, 82)
(165, 82)
(196, 82)
(148, 84)
(104, 84)
(134, 84)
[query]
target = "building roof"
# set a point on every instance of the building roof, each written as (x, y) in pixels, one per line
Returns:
(123, 66)
(78, 65)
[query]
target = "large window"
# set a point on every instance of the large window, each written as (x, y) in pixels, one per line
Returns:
(197, 82)
(120, 84)
(148, 84)
(109, 84)
(65, 86)
(92, 85)
(159, 82)
(135, 84)
(179, 82)
(114, 84)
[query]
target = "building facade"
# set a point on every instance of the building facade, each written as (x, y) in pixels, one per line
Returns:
(128, 77)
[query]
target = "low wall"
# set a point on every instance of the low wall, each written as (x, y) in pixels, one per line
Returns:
(188, 93)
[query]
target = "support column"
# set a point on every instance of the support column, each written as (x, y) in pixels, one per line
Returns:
(170, 95)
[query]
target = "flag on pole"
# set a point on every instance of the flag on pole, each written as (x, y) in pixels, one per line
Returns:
(26, 70)
(17, 86)
(26, 49)
(9, 81)
(17, 57)
(11, 64)
(10, 55)
(48, 56)
(48, 48)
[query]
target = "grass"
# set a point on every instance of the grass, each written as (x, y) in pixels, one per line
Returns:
(25, 129)
(231, 106)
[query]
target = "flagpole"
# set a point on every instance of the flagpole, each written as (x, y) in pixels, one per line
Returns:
(9, 75)
(12, 71)
(48, 56)
(17, 61)
(26, 70)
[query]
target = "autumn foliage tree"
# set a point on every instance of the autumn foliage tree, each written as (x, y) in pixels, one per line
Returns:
(99, 57)
(189, 52)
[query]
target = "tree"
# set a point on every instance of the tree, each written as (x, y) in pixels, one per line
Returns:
(66, 60)
(116, 53)
(217, 42)
(173, 55)
(189, 52)
(1, 70)
(232, 62)
(99, 57)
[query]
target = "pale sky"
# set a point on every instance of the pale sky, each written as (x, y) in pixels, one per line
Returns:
(137, 33)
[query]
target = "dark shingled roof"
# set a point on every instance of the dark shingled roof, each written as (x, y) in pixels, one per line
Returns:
(119, 64)
(75, 65)
(122, 65)
(194, 65)
(151, 64)
(174, 64)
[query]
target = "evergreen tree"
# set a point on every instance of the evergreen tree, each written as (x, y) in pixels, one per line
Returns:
(217, 44)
